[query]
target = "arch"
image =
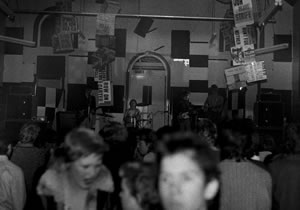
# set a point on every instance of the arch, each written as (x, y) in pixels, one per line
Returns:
(166, 66)
(38, 22)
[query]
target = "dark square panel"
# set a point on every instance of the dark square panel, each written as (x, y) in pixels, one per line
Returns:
(118, 94)
(286, 54)
(198, 60)
(147, 95)
(41, 96)
(76, 97)
(11, 48)
(120, 42)
(50, 67)
(180, 44)
(199, 86)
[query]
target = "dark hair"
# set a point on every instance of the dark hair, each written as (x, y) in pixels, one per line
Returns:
(4, 142)
(29, 132)
(165, 130)
(147, 135)
(114, 132)
(236, 139)
(202, 154)
(141, 179)
(78, 143)
(132, 100)
(214, 86)
(292, 138)
(213, 89)
(207, 125)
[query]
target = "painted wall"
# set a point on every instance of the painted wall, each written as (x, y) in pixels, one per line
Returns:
(296, 63)
(21, 68)
(2, 28)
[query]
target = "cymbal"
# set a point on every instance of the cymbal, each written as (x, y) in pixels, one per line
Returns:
(105, 115)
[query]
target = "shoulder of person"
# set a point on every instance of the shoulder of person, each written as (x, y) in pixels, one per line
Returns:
(150, 157)
(51, 184)
(105, 180)
(11, 170)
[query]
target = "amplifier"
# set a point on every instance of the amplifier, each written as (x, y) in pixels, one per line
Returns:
(270, 97)
(269, 114)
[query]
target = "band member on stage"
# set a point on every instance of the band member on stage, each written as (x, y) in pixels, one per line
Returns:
(214, 104)
(132, 115)
(185, 108)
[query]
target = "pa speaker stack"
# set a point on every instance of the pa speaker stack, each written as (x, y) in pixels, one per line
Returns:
(269, 111)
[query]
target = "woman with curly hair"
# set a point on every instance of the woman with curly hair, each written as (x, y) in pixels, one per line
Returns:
(77, 178)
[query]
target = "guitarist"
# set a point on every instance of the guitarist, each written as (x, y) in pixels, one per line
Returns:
(185, 108)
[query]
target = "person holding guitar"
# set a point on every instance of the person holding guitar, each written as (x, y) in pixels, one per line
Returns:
(185, 108)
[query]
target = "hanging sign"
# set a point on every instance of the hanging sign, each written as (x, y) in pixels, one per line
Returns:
(242, 12)
(236, 77)
(242, 54)
(256, 71)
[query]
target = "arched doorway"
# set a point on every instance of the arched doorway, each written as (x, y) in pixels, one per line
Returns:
(148, 81)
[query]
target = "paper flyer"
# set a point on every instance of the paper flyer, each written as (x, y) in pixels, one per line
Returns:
(105, 24)
(244, 35)
(243, 12)
(256, 71)
(242, 54)
(236, 77)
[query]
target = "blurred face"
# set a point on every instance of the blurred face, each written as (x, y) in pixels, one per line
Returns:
(142, 147)
(129, 202)
(181, 183)
(86, 170)
(132, 104)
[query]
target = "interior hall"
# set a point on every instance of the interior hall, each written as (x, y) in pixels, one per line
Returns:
(149, 105)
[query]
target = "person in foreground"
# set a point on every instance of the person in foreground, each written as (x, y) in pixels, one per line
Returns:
(77, 179)
(138, 185)
(12, 184)
(246, 183)
(285, 172)
(188, 172)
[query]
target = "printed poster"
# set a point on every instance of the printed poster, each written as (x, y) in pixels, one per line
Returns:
(244, 35)
(236, 77)
(105, 24)
(242, 12)
(256, 71)
(242, 54)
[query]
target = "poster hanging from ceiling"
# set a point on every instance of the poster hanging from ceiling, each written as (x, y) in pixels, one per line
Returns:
(242, 12)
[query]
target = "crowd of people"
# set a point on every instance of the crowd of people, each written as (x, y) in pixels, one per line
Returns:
(226, 166)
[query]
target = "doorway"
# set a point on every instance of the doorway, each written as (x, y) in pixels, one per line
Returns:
(148, 81)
